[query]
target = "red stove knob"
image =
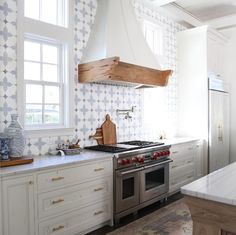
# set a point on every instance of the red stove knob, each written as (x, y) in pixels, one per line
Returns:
(123, 161)
(135, 159)
(141, 160)
(128, 161)
(167, 152)
(154, 156)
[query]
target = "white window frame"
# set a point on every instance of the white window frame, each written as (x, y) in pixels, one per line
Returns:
(60, 8)
(160, 55)
(27, 26)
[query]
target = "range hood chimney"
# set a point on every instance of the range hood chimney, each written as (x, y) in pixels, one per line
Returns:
(117, 51)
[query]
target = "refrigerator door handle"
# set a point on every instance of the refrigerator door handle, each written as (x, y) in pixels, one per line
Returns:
(220, 132)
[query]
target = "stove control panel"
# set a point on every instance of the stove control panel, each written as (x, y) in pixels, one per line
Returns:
(158, 154)
(141, 159)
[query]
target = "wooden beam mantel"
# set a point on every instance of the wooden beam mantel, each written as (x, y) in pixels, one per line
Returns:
(112, 70)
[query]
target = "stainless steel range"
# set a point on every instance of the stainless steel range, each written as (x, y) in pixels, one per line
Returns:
(141, 174)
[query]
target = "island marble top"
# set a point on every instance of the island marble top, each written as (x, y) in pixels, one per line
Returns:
(218, 186)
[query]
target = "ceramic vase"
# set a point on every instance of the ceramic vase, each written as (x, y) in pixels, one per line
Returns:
(4, 148)
(16, 133)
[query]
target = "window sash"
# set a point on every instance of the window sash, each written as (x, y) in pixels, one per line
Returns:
(59, 83)
(62, 13)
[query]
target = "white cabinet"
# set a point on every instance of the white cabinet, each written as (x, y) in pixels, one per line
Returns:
(18, 205)
(218, 130)
(199, 160)
(186, 166)
(73, 200)
(1, 226)
(200, 52)
(78, 221)
(65, 200)
(215, 54)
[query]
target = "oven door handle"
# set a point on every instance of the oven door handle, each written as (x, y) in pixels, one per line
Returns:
(130, 171)
(158, 164)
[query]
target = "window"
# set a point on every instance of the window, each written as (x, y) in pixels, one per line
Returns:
(43, 79)
(49, 11)
(155, 99)
(153, 34)
(45, 53)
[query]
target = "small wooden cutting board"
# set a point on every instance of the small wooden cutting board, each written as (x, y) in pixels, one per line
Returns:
(109, 131)
(16, 161)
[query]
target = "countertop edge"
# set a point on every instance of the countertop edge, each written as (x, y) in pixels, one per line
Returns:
(37, 165)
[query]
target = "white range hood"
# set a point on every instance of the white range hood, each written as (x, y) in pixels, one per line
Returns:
(117, 35)
(116, 32)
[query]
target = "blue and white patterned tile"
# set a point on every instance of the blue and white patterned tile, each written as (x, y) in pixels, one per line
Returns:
(92, 101)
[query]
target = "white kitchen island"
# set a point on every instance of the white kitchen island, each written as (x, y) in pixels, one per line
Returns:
(212, 202)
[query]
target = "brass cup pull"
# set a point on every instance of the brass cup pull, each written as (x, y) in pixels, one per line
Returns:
(31, 182)
(97, 189)
(173, 167)
(98, 212)
(99, 169)
(175, 152)
(58, 201)
(58, 228)
(57, 178)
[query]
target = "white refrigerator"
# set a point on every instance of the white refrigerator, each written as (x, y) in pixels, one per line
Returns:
(218, 125)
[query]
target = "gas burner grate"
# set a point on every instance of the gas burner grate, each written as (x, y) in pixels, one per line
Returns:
(142, 143)
(106, 148)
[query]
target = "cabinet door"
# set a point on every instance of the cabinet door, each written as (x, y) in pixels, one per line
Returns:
(182, 168)
(1, 232)
(18, 206)
(215, 55)
(198, 161)
(218, 130)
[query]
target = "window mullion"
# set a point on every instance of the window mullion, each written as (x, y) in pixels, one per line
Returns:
(41, 79)
(40, 10)
(43, 106)
(61, 80)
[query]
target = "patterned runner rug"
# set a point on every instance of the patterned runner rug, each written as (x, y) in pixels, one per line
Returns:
(174, 219)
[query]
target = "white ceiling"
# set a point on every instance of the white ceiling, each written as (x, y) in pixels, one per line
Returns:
(220, 14)
(208, 9)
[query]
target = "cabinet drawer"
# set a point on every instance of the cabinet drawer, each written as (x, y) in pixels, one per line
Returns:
(181, 151)
(78, 221)
(58, 201)
(182, 171)
(73, 175)
(182, 164)
(178, 181)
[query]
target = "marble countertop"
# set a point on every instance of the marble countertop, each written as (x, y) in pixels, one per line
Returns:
(178, 140)
(48, 162)
(219, 186)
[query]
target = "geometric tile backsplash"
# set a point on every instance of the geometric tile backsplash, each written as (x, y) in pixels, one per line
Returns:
(91, 101)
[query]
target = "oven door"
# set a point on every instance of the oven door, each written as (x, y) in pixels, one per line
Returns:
(154, 180)
(127, 189)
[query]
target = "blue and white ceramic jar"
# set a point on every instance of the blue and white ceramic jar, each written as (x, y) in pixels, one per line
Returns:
(4, 148)
(16, 133)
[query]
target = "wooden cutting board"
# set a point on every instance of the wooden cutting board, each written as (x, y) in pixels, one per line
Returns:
(16, 161)
(109, 131)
